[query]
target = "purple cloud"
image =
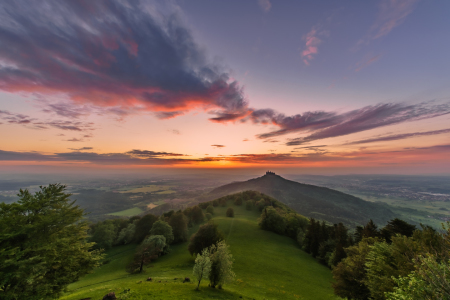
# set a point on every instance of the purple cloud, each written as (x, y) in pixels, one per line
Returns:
(114, 55)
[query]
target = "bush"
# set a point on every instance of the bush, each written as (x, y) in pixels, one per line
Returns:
(210, 209)
(208, 216)
(230, 212)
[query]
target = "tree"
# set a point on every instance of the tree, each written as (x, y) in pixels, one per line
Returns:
(230, 212)
(397, 226)
(216, 203)
(208, 216)
(162, 228)
(179, 224)
(197, 215)
(202, 266)
(272, 221)
(126, 235)
(148, 251)
(43, 244)
(430, 281)
(294, 222)
(143, 226)
(103, 236)
(238, 199)
(207, 235)
(221, 265)
(249, 205)
(350, 274)
(210, 209)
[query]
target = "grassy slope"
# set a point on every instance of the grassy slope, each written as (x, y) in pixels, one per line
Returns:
(312, 201)
(267, 266)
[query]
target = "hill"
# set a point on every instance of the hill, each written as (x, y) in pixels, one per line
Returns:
(267, 266)
(312, 201)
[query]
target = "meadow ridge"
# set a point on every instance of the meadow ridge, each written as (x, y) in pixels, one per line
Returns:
(267, 266)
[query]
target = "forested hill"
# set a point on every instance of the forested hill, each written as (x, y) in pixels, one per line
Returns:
(312, 201)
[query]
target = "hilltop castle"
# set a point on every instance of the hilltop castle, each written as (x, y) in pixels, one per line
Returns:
(270, 173)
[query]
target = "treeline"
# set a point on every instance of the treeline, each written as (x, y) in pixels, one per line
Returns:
(396, 262)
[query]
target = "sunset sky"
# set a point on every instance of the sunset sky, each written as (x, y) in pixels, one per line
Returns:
(306, 86)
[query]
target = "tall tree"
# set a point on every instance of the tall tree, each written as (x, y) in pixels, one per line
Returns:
(179, 224)
(207, 235)
(197, 215)
(148, 251)
(43, 244)
(202, 266)
(162, 228)
(143, 226)
(221, 265)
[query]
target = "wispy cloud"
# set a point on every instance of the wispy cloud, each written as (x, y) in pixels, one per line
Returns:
(370, 117)
(395, 137)
(312, 41)
(265, 5)
(391, 14)
(218, 146)
(81, 149)
(366, 62)
(20, 119)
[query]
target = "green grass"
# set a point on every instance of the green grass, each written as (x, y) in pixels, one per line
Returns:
(267, 266)
(146, 189)
(165, 192)
(127, 212)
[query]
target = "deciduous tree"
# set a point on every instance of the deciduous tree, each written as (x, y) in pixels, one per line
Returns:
(43, 244)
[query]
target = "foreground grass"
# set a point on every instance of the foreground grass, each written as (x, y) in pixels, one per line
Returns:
(267, 266)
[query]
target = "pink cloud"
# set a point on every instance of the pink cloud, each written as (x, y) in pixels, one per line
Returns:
(361, 65)
(312, 42)
(265, 5)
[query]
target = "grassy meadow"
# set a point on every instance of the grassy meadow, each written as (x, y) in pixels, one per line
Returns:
(267, 266)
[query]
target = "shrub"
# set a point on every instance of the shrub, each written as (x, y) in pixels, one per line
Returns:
(230, 212)
(208, 216)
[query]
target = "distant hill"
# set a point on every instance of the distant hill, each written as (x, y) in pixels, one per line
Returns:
(312, 201)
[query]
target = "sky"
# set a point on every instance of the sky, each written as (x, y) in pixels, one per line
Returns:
(329, 87)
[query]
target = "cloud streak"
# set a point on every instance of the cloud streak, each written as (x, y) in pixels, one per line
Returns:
(392, 13)
(395, 137)
(20, 119)
(111, 54)
(371, 117)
